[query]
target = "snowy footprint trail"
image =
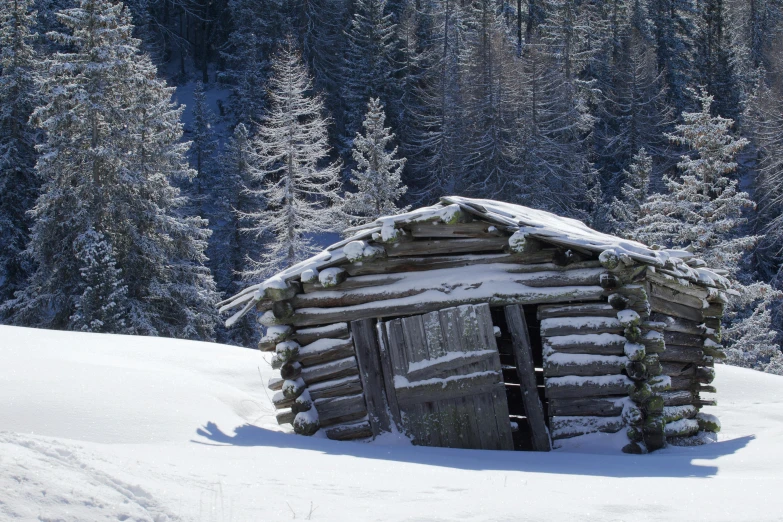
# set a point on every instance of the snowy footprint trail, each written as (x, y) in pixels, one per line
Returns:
(99, 427)
(47, 480)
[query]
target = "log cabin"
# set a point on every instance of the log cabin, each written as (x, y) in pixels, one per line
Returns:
(481, 324)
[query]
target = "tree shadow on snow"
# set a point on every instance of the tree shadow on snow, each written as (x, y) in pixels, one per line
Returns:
(672, 462)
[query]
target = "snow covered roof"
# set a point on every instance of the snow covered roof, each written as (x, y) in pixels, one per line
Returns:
(516, 219)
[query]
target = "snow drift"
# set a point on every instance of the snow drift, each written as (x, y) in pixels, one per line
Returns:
(105, 427)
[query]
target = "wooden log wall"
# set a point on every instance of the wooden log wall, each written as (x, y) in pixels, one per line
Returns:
(689, 316)
(319, 384)
(601, 361)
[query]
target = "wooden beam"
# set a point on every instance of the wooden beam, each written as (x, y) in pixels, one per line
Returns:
(579, 326)
(675, 309)
(333, 331)
(667, 294)
(448, 388)
(682, 354)
(330, 371)
(400, 307)
(446, 246)
(576, 310)
(338, 410)
(418, 264)
(473, 229)
(445, 280)
(336, 388)
(365, 342)
(593, 344)
(349, 431)
(523, 356)
(574, 387)
(598, 365)
(325, 350)
(594, 407)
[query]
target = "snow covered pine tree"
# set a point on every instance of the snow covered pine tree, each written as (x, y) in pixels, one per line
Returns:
(112, 146)
(18, 182)
(300, 188)
(705, 209)
(377, 176)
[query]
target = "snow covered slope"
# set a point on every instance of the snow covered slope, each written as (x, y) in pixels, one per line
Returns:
(100, 427)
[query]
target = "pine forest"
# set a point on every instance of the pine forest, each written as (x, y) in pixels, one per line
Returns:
(157, 156)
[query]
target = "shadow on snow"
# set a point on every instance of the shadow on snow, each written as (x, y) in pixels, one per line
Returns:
(673, 462)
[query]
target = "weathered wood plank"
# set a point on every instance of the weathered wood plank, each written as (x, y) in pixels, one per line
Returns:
(340, 409)
(677, 369)
(325, 350)
(670, 295)
(677, 324)
(333, 331)
(675, 309)
(486, 335)
(523, 357)
(560, 365)
(456, 297)
(446, 338)
(336, 388)
(690, 289)
(576, 310)
(285, 416)
(593, 407)
(594, 344)
(371, 374)
(388, 375)
(442, 366)
(443, 281)
(580, 325)
(330, 371)
(428, 424)
(678, 398)
(575, 387)
(683, 339)
(350, 431)
(567, 427)
(681, 354)
(418, 264)
(395, 344)
(353, 283)
(473, 229)
(446, 246)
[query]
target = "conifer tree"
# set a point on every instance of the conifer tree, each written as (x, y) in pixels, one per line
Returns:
(112, 148)
(625, 211)
(102, 306)
(300, 188)
(705, 207)
(18, 182)
(377, 176)
(369, 60)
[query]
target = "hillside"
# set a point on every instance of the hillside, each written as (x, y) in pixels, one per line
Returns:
(104, 427)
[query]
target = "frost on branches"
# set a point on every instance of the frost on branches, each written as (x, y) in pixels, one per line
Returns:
(18, 182)
(300, 189)
(112, 147)
(625, 211)
(102, 306)
(378, 173)
(753, 343)
(704, 208)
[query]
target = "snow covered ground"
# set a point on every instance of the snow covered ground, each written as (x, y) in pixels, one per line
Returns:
(101, 427)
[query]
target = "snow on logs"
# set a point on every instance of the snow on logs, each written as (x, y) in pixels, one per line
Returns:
(319, 385)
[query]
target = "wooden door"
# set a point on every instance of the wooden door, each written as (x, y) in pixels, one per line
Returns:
(446, 379)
